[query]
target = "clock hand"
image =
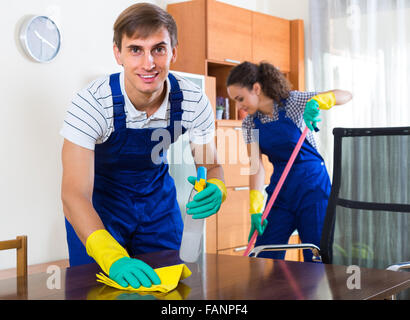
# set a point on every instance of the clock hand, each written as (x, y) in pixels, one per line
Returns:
(42, 39)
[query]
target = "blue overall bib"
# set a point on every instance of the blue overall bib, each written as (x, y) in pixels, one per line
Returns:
(133, 194)
(302, 201)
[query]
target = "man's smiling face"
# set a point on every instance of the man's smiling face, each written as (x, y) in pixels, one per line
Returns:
(146, 61)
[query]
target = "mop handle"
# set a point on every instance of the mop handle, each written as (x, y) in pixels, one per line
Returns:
(278, 187)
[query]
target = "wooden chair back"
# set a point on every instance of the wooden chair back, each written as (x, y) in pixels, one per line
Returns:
(20, 243)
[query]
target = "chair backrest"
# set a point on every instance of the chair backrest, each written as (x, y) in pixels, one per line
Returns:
(20, 243)
(368, 216)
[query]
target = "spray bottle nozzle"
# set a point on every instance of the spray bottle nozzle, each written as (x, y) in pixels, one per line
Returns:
(200, 182)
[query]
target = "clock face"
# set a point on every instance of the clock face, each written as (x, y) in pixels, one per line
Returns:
(41, 38)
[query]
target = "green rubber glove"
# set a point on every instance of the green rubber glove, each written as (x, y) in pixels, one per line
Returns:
(311, 114)
(127, 271)
(205, 203)
(256, 224)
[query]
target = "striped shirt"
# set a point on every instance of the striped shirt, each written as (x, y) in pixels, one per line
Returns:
(89, 118)
(294, 108)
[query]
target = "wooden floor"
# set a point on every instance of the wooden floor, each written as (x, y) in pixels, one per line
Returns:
(36, 268)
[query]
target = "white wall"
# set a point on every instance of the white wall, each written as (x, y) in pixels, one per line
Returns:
(34, 98)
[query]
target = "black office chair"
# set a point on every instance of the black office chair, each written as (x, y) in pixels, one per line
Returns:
(367, 220)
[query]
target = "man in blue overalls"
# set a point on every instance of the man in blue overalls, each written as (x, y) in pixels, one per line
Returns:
(118, 197)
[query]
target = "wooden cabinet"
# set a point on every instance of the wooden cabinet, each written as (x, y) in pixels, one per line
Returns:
(228, 230)
(228, 33)
(210, 84)
(294, 254)
(233, 221)
(221, 71)
(190, 17)
(271, 40)
(296, 75)
(214, 37)
(232, 153)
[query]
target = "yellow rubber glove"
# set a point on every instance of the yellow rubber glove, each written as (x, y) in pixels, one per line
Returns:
(220, 185)
(325, 100)
(115, 261)
(256, 201)
(104, 249)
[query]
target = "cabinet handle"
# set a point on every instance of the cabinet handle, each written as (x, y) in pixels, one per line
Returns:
(232, 61)
(237, 128)
(240, 188)
(240, 249)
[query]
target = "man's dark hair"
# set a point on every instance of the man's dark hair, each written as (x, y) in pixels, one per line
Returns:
(141, 20)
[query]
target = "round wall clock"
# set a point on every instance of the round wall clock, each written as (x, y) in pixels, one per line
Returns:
(40, 38)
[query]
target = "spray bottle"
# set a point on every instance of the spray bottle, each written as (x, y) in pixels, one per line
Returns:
(193, 228)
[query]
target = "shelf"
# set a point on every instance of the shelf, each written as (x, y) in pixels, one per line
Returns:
(220, 70)
(216, 63)
(228, 123)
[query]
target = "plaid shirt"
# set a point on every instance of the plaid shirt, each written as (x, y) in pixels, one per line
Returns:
(294, 107)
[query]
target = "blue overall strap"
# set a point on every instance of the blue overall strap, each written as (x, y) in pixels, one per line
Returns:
(118, 101)
(281, 114)
(282, 108)
(175, 97)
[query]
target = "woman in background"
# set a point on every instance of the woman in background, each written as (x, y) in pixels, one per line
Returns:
(275, 120)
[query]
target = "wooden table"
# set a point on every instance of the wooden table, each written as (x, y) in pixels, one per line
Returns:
(217, 277)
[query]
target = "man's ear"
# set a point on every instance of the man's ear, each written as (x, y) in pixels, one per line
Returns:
(117, 54)
(174, 54)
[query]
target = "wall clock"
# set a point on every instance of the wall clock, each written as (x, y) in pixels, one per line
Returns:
(40, 38)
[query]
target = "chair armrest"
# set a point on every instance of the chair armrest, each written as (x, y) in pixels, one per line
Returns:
(279, 247)
(399, 266)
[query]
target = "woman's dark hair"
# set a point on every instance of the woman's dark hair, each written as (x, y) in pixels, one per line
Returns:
(274, 84)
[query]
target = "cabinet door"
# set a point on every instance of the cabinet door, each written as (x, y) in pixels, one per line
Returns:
(233, 220)
(271, 40)
(191, 23)
(233, 155)
(229, 32)
(210, 85)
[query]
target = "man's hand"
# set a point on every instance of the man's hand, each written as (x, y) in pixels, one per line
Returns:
(115, 261)
(127, 271)
(208, 201)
